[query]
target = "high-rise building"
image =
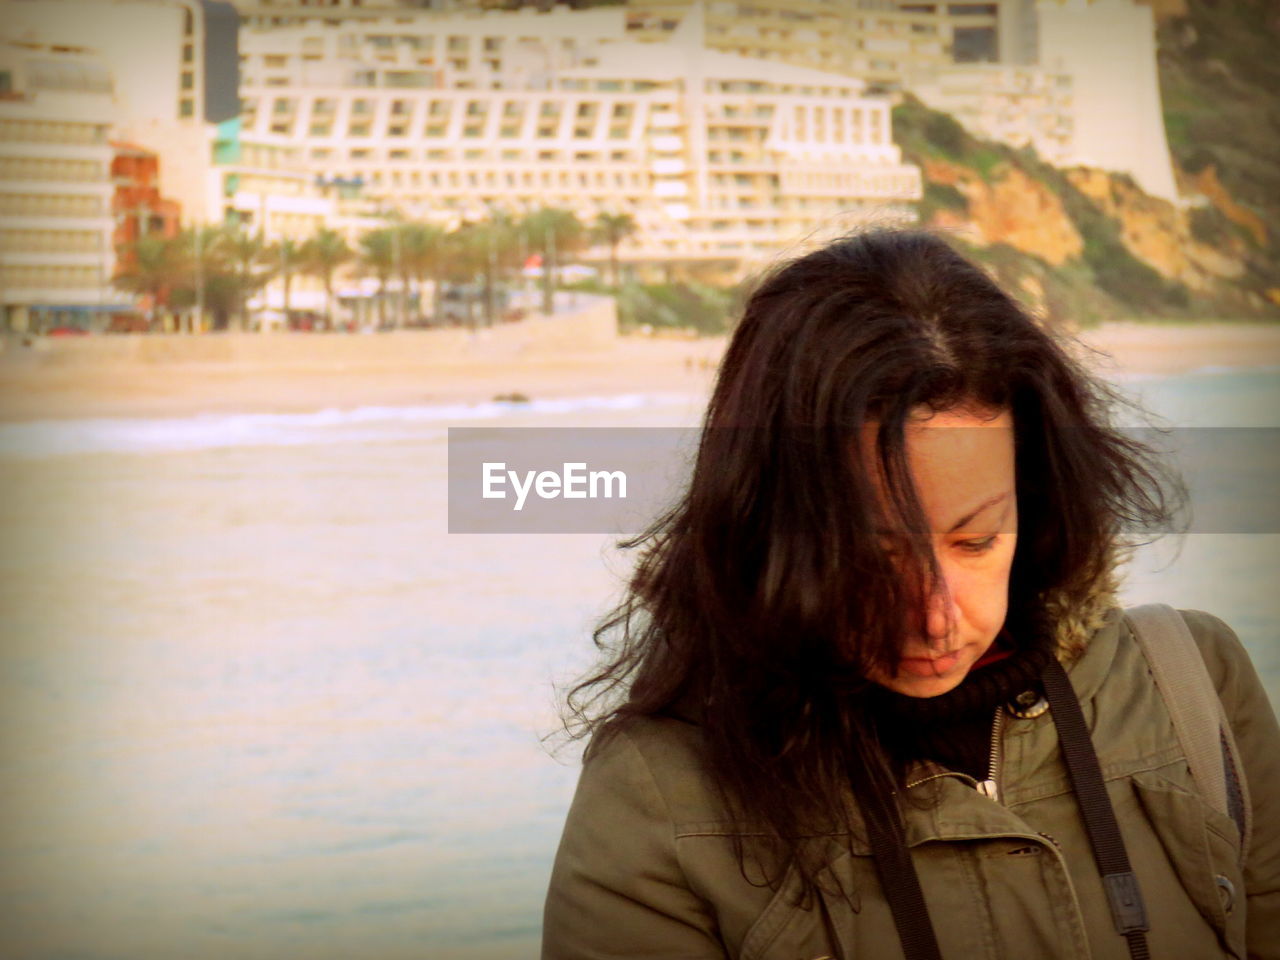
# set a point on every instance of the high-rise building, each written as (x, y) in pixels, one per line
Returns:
(718, 157)
(979, 61)
(174, 71)
(56, 225)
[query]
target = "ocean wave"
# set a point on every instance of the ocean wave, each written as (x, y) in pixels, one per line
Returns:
(51, 438)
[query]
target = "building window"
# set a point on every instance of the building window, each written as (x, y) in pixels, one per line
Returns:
(974, 45)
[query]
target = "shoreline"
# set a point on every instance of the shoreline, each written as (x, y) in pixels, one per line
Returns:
(36, 391)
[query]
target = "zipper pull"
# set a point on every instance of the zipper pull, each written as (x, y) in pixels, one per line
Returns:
(990, 787)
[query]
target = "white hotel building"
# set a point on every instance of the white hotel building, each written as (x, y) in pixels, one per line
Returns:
(720, 158)
(56, 254)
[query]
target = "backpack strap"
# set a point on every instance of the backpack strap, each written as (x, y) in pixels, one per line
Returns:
(1196, 710)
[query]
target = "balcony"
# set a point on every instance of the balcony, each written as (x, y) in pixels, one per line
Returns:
(668, 166)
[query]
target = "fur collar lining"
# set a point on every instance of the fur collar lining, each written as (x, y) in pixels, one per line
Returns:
(1076, 623)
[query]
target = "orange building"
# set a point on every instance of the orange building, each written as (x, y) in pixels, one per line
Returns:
(136, 203)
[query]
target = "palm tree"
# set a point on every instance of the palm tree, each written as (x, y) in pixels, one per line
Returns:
(156, 266)
(498, 245)
(556, 233)
(613, 228)
(422, 252)
(287, 256)
(323, 253)
(205, 277)
(463, 259)
(246, 253)
(378, 253)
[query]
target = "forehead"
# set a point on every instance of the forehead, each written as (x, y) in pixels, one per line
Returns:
(958, 459)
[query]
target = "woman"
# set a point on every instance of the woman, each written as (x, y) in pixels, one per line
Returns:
(833, 736)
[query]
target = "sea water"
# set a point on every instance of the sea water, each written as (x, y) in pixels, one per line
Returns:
(257, 702)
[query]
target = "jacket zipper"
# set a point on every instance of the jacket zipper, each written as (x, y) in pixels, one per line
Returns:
(991, 786)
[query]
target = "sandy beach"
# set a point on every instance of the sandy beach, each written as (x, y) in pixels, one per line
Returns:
(35, 389)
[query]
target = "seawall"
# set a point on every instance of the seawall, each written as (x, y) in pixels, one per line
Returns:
(583, 323)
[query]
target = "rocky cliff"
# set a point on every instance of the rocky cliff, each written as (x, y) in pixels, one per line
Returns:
(1219, 75)
(1083, 245)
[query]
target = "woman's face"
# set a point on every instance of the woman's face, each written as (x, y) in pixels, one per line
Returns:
(963, 466)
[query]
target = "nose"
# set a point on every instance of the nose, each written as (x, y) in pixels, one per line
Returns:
(942, 612)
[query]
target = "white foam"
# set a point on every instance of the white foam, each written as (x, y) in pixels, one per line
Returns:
(51, 438)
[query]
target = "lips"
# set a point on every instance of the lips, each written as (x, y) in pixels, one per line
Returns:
(929, 666)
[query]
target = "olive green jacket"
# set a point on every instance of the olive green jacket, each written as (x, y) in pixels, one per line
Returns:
(646, 866)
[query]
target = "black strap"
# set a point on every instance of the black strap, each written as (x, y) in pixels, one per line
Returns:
(898, 877)
(1127, 907)
(897, 874)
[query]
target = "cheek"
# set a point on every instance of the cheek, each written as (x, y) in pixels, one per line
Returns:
(986, 595)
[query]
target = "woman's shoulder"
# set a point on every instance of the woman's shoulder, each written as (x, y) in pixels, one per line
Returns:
(1219, 645)
(1220, 648)
(1233, 672)
(660, 758)
(1226, 660)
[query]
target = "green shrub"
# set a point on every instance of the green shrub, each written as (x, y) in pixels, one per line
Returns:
(941, 196)
(682, 305)
(945, 133)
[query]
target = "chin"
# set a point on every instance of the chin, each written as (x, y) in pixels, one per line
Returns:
(924, 686)
(918, 682)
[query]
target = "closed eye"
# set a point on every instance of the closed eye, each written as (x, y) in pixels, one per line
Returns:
(979, 545)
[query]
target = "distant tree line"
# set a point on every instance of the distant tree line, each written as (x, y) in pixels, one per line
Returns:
(219, 270)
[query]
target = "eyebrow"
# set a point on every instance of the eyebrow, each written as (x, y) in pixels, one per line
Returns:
(985, 505)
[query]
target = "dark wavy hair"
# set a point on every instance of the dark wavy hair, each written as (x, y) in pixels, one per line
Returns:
(744, 600)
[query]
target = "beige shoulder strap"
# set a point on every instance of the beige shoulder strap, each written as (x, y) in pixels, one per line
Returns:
(1198, 718)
